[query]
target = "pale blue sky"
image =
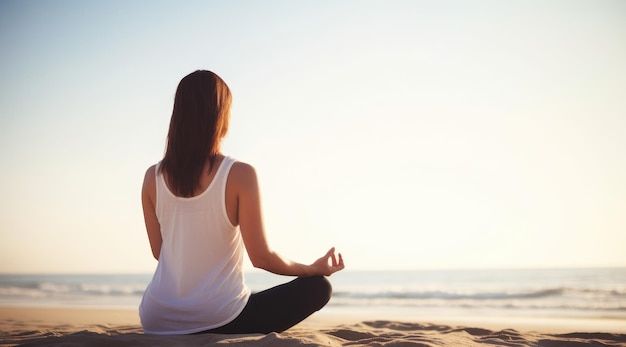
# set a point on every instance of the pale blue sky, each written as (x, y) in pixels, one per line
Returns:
(408, 134)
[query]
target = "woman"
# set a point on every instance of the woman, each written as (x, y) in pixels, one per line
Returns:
(200, 209)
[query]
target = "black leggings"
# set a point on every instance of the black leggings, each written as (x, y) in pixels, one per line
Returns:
(279, 308)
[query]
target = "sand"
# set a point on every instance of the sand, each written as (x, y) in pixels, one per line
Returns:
(110, 327)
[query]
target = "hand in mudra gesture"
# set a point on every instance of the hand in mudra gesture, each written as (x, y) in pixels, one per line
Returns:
(329, 263)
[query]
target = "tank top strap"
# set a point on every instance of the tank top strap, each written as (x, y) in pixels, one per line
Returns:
(221, 176)
(158, 176)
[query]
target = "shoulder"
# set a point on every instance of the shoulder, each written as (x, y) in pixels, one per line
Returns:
(242, 168)
(150, 172)
(243, 175)
(149, 177)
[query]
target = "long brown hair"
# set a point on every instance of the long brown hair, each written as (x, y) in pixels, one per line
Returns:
(199, 122)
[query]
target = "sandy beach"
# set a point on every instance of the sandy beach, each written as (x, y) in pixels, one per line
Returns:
(120, 327)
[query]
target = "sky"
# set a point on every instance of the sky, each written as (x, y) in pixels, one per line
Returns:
(407, 134)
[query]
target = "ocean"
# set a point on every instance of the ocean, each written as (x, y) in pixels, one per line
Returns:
(589, 294)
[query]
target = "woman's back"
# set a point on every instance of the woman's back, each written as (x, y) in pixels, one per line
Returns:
(198, 284)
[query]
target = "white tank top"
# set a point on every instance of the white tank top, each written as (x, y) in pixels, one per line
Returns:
(198, 283)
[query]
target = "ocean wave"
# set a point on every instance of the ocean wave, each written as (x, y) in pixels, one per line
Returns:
(506, 291)
(483, 295)
(45, 289)
(472, 306)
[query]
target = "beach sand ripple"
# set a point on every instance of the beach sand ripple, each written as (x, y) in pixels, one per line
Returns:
(368, 333)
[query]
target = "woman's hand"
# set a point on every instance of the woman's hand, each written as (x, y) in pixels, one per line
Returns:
(328, 264)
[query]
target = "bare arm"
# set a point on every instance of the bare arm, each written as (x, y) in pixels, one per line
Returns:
(148, 198)
(250, 220)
